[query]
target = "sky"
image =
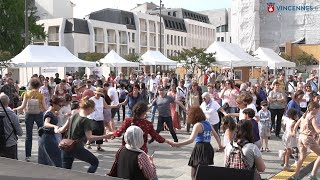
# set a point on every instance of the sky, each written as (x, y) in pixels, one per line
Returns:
(84, 7)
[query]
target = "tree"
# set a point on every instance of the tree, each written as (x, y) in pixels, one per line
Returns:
(195, 59)
(5, 56)
(285, 56)
(133, 57)
(91, 56)
(305, 59)
(12, 25)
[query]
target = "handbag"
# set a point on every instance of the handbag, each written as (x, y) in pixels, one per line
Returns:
(68, 144)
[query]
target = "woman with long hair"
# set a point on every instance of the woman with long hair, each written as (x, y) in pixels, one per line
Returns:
(244, 138)
(295, 102)
(79, 128)
(48, 151)
(193, 99)
(203, 152)
(139, 119)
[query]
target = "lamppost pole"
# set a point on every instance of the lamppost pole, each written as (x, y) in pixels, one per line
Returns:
(160, 27)
(26, 27)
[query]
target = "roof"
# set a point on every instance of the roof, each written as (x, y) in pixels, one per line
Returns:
(273, 59)
(76, 26)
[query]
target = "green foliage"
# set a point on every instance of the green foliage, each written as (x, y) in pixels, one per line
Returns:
(305, 59)
(91, 56)
(195, 59)
(133, 57)
(5, 57)
(12, 25)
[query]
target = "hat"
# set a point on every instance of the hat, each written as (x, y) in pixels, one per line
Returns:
(161, 88)
(99, 90)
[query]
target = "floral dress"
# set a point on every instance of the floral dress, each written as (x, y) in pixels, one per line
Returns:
(46, 93)
(174, 112)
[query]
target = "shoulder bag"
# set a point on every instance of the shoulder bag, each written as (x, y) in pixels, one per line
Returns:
(68, 144)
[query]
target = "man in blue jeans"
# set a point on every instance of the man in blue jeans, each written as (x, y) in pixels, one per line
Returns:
(163, 104)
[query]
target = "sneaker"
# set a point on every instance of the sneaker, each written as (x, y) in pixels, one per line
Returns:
(312, 177)
(27, 159)
(287, 168)
(281, 154)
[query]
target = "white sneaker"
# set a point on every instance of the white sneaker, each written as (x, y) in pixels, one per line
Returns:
(281, 154)
(27, 159)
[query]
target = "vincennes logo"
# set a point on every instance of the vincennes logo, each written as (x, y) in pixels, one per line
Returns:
(270, 7)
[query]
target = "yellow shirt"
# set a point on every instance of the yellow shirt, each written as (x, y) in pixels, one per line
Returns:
(35, 95)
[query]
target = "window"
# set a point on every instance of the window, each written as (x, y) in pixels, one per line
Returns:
(230, 40)
(168, 52)
(168, 38)
(178, 40)
(170, 24)
(175, 40)
(185, 41)
(129, 36)
(218, 38)
(169, 13)
(237, 74)
(132, 21)
(218, 28)
(171, 39)
(181, 41)
(185, 13)
(222, 39)
(174, 14)
(174, 25)
(177, 25)
(133, 51)
(166, 23)
(180, 26)
(171, 52)
(133, 37)
(184, 26)
(127, 20)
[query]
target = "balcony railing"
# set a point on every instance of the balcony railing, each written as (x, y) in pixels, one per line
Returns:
(111, 39)
(53, 37)
(99, 38)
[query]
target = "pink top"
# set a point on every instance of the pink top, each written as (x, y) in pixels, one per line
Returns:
(229, 97)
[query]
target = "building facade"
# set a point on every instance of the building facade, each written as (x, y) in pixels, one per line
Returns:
(135, 31)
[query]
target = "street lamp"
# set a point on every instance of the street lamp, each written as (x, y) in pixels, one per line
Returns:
(160, 26)
(26, 28)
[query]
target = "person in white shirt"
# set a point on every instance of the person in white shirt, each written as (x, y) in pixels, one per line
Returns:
(113, 94)
(152, 87)
(210, 108)
(77, 81)
(181, 96)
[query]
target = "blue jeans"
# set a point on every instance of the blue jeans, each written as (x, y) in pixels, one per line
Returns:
(29, 121)
(151, 96)
(153, 113)
(82, 154)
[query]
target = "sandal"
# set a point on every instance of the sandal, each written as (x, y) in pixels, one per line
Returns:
(100, 149)
(267, 149)
(88, 146)
(261, 150)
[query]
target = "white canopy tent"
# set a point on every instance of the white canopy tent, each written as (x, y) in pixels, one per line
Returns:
(112, 59)
(273, 59)
(232, 55)
(156, 58)
(48, 56)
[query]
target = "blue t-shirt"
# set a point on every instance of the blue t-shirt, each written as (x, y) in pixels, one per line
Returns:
(133, 100)
(293, 104)
(255, 130)
(205, 136)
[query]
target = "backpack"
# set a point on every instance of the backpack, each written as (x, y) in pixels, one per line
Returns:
(33, 106)
(236, 158)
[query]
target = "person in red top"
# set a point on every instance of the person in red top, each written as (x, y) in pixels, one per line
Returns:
(139, 119)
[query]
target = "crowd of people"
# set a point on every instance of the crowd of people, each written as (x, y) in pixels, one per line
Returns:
(241, 118)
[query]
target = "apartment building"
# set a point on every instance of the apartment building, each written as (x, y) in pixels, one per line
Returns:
(135, 31)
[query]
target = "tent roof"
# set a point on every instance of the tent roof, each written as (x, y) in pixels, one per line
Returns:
(48, 56)
(112, 59)
(156, 58)
(232, 55)
(273, 59)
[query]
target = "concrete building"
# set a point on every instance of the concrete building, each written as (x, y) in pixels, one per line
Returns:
(127, 32)
(221, 19)
(254, 26)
